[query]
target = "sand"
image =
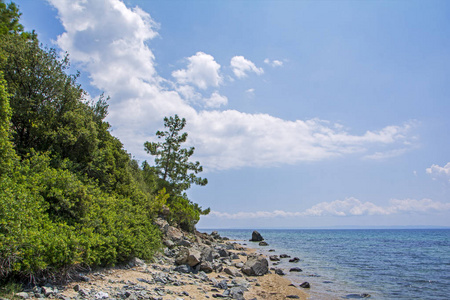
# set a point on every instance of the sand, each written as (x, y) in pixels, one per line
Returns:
(111, 280)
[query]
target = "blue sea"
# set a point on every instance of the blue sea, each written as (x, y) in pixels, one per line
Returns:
(343, 264)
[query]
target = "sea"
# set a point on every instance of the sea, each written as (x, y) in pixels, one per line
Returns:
(355, 263)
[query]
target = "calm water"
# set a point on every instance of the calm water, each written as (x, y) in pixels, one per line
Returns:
(341, 264)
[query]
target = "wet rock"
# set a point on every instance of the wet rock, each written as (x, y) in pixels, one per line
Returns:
(357, 296)
(296, 269)
(284, 256)
(256, 237)
(274, 258)
(294, 260)
(279, 272)
(263, 243)
(292, 297)
(305, 285)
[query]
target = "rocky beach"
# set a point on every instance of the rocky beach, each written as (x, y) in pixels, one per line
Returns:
(191, 266)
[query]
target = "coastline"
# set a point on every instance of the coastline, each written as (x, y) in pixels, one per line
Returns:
(165, 279)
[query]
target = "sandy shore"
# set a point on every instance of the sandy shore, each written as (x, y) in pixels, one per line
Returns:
(158, 280)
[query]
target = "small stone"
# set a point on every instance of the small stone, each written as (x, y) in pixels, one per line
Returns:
(293, 297)
(101, 295)
(294, 260)
(263, 243)
(23, 295)
(274, 258)
(279, 272)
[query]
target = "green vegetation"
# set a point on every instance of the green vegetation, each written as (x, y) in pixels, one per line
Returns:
(176, 172)
(70, 195)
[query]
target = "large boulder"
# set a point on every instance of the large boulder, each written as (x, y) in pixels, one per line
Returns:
(194, 258)
(256, 266)
(256, 237)
(174, 234)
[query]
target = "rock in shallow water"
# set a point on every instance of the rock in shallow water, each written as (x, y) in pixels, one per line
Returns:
(256, 237)
(305, 285)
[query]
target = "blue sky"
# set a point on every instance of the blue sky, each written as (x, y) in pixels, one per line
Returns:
(303, 113)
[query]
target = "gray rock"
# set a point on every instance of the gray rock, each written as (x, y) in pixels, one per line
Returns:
(296, 269)
(294, 260)
(263, 243)
(292, 297)
(194, 257)
(184, 243)
(305, 285)
(206, 266)
(182, 256)
(169, 243)
(83, 293)
(274, 258)
(183, 269)
(255, 266)
(223, 253)
(222, 285)
(48, 291)
(230, 271)
(137, 262)
(235, 293)
(22, 295)
(256, 237)
(284, 256)
(279, 272)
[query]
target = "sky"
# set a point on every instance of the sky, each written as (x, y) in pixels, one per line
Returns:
(304, 114)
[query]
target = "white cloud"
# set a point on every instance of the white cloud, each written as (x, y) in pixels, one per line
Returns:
(202, 71)
(216, 100)
(438, 170)
(250, 92)
(348, 207)
(274, 63)
(242, 66)
(110, 41)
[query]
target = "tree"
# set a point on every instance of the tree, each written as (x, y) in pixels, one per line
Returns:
(9, 21)
(172, 161)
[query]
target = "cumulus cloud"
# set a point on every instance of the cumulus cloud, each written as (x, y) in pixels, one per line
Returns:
(348, 207)
(110, 42)
(216, 100)
(242, 66)
(202, 71)
(438, 170)
(274, 63)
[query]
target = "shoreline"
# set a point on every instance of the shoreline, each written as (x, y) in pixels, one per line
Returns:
(171, 277)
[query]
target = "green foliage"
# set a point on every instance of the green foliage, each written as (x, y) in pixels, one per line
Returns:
(172, 161)
(7, 154)
(176, 172)
(69, 192)
(50, 220)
